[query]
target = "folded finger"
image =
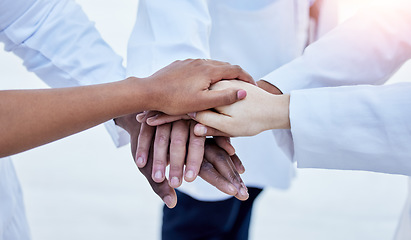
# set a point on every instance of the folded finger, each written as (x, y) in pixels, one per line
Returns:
(162, 118)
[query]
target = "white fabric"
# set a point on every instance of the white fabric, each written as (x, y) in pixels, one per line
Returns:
(259, 35)
(357, 127)
(13, 223)
(58, 43)
(343, 58)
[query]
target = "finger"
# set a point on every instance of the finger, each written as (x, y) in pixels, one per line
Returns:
(162, 118)
(211, 119)
(225, 143)
(201, 130)
(213, 177)
(231, 72)
(215, 98)
(162, 189)
(224, 165)
(179, 137)
(161, 143)
(195, 155)
(141, 116)
(238, 164)
(143, 146)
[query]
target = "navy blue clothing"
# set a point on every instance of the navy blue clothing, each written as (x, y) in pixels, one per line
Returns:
(198, 220)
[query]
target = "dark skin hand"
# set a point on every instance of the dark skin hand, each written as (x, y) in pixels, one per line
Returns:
(217, 167)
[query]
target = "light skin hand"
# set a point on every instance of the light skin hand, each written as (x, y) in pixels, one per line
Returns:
(260, 111)
(201, 130)
(161, 118)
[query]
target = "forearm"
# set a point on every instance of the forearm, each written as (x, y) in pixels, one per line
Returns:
(30, 118)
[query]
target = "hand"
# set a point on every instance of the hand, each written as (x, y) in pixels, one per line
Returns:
(129, 123)
(170, 148)
(216, 172)
(222, 171)
(183, 86)
(200, 130)
(260, 111)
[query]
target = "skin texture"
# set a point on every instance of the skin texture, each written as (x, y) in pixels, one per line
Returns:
(30, 118)
(216, 167)
(264, 108)
(260, 111)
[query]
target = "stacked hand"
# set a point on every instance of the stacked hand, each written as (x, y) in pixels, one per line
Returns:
(264, 108)
(181, 87)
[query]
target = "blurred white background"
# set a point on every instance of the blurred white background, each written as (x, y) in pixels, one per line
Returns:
(82, 187)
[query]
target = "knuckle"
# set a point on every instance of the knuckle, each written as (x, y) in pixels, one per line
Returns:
(178, 141)
(237, 67)
(206, 166)
(145, 135)
(162, 139)
(176, 169)
(220, 157)
(159, 162)
(197, 142)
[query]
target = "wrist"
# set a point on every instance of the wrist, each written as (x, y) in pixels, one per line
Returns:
(279, 112)
(140, 94)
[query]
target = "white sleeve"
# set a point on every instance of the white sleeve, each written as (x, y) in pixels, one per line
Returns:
(355, 128)
(366, 49)
(166, 31)
(60, 44)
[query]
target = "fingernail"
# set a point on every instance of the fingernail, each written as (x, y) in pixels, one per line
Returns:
(174, 182)
(168, 200)
(232, 189)
(192, 115)
(200, 129)
(158, 175)
(190, 174)
(150, 119)
(140, 161)
(241, 94)
(243, 192)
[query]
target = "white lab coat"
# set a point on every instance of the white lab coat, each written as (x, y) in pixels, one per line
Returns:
(359, 127)
(259, 35)
(58, 43)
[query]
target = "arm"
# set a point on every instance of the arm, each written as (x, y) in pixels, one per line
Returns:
(355, 128)
(351, 128)
(61, 112)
